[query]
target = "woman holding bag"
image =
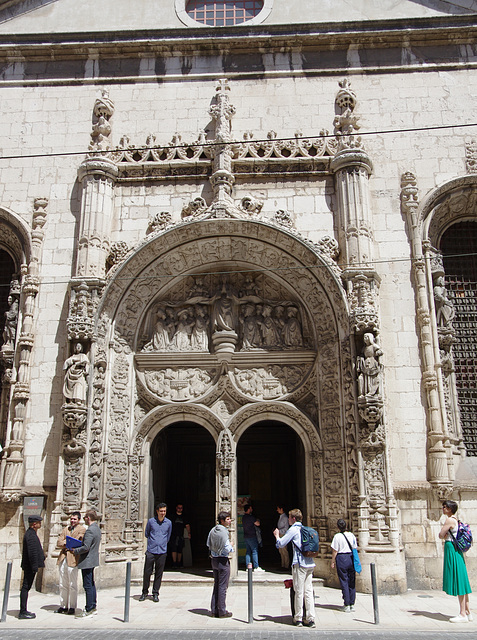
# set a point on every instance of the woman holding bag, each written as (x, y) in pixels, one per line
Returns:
(342, 557)
(455, 579)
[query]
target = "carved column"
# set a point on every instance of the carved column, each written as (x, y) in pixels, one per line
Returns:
(12, 469)
(222, 178)
(226, 481)
(437, 458)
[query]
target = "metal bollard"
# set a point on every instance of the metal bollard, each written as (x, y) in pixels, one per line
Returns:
(127, 594)
(375, 593)
(6, 592)
(250, 593)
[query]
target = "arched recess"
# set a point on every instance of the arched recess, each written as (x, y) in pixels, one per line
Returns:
(450, 298)
(326, 397)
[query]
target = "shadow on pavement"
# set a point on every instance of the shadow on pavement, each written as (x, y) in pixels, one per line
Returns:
(430, 614)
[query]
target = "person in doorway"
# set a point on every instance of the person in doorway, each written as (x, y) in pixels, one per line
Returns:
(455, 581)
(68, 565)
(220, 548)
(342, 558)
(302, 569)
(179, 523)
(158, 533)
(33, 558)
(283, 527)
(89, 559)
(249, 522)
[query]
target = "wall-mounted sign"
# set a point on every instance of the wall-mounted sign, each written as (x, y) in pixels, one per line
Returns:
(32, 506)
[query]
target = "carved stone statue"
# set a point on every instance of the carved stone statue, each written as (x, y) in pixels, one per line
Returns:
(251, 338)
(199, 337)
(182, 338)
(11, 320)
(160, 338)
(369, 368)
(75, 383)
(268, 328)
(224, 312)
(292, 333)
(445, 311)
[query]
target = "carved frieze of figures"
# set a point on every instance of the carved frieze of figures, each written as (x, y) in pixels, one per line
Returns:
(179, 384)
(270, 383)
(251, 321)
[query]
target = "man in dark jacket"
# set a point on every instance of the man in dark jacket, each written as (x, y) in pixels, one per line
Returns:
(88, 560)
(32, 559)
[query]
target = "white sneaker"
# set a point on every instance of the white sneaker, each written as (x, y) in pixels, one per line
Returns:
(470, 617)
(346, 609)
(351, 607)
(259, 570)
(459, 618)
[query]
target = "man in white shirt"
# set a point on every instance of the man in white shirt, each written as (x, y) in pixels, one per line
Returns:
(302, 569)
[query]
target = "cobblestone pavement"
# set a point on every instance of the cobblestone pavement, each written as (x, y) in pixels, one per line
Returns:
(183, 611)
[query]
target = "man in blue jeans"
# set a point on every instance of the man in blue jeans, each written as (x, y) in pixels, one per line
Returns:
(249, 522)
(158, 533)
(89, 559)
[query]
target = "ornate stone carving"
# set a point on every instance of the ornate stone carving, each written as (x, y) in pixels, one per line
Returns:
(409, 193)
(194, 209)
(346, 123)
(270, 383)
(102, 112)
(250, 205)
(369, 368)
(10, 326)
(471, 156)
(75, 383)
(284, 219)
(117, 252)
(159, 222)
(179, 385)
(234, 318)
(84, 299)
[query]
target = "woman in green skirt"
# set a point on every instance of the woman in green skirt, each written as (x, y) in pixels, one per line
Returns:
(455, 579)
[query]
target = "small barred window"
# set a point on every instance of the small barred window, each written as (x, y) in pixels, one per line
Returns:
(223, 13)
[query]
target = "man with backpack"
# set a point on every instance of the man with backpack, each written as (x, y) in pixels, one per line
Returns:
(302, 566)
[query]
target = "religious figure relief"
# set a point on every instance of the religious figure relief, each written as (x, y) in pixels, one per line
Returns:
(445, 311)
(75, 384)
(369, 368)
(11, 321)
(270, 383)
(223, 320)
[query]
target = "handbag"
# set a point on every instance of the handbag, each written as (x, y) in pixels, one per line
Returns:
(356, 561)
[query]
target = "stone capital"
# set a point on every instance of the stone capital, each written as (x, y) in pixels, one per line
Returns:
(350, 159)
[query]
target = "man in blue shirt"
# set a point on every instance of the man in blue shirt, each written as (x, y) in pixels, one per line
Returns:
(158, 533)
(302, 569)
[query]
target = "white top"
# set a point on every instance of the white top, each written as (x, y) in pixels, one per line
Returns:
(339, 543)
(453, 529)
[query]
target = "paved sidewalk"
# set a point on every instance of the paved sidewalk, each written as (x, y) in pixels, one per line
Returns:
(186, 607)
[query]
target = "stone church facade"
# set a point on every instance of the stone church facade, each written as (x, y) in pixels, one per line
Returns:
(228, 267)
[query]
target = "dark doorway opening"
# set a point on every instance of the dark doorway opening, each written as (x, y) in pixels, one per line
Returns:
(183, 471)
(271, 470)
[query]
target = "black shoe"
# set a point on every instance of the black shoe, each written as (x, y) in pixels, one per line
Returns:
(26, 615)
(311, 624)
(227, 614)
(298, 623)
(61, 610)
(155, 597)
(142, 597)
(71, 611)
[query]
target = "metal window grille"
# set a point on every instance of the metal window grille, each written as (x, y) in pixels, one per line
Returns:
(223, 13)
(459, 249)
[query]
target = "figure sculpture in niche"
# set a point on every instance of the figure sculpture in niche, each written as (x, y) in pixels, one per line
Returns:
(160, 338)
(369, 367)
(445, 311)
(170, 323)
(270, 335)
(224, 311)
(182, 337)
(11, 320)
(251, 338)
(292, 333)
(199, 338)
(75, 383)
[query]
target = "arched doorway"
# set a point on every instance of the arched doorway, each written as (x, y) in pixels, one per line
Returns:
(271, 470)
(183, 465)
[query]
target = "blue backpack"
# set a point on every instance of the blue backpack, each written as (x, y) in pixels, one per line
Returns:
(309, 542)
(463, 539)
